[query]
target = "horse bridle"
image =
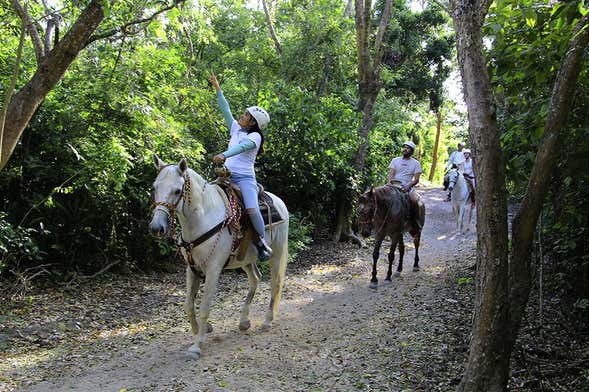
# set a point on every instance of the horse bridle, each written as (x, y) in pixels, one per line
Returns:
(170, 209)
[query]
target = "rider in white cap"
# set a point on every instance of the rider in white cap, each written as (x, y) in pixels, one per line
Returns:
(406, 171)
(245, 144)
(456, 160)
(469, 174)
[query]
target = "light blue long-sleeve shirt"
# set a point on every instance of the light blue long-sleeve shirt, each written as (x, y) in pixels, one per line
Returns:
(240, 154)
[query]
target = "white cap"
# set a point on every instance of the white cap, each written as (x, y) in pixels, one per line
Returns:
(262, 117)
(466, 150)
(410, 144)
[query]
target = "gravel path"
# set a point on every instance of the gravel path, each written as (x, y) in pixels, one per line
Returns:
(332, 334)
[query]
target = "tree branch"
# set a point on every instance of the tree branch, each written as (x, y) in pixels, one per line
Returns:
(35, 37)
(125, 29)
(378, 45)
(271, 28)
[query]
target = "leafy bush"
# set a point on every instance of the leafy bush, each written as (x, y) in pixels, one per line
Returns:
(299, 235)
(16, 245)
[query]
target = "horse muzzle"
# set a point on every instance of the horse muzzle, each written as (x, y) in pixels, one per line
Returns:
(158, 226)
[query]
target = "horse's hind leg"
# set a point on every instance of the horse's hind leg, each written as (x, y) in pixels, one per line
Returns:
(375, 254)
(254, 279)
(401, 254)
(389, 279)
(278, 272)
(416, 242)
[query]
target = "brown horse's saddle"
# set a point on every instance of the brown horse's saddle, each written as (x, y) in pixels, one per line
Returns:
(415, 212)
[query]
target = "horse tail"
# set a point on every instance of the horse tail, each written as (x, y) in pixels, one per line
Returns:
(280, 256)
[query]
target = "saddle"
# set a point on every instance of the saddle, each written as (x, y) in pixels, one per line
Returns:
(244, 230)
(415, 216)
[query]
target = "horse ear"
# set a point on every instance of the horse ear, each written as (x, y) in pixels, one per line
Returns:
(369, 189)
(158, 163)
(183, 165)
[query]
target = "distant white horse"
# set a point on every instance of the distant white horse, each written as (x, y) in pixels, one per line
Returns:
(203, 215)
(459, 191)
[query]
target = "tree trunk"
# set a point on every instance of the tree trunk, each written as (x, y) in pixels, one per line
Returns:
(436, 145)
(487, 368)
(524, 222)
(49, 73)
(369, 85)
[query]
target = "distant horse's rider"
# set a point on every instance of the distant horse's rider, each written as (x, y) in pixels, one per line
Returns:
(456, 160)
(405, 171)
(469, 174)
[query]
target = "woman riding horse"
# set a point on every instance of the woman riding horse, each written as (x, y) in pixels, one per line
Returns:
(245, 144)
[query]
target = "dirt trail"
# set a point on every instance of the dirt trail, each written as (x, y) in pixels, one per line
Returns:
(332, 334)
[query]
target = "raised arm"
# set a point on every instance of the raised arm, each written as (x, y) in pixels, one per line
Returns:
(223, 104)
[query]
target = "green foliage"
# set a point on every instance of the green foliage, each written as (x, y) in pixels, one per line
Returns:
(299, 235)
(16, 245)
(530, 39)
(83, 169)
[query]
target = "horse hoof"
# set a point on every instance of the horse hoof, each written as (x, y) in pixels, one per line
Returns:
(266, 327)
(209, 327)
(194, 352)
(397, 274)
(387, 282)
(373, 285)
(245, 325)
(415, 269)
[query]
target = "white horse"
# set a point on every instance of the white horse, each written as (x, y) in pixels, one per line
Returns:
(459, 191)
(201, 209)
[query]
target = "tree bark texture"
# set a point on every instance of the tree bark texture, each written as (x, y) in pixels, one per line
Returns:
(48, 74)
(487, 367)
(524, 222)
(432, 171)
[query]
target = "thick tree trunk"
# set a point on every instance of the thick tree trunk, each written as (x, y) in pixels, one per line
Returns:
(49, 73)
(432, 171)
(524, 222)
(488, 362)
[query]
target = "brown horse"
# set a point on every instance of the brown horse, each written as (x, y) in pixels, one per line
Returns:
(387, 211)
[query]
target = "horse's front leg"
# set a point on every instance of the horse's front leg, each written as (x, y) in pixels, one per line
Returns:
(401, 254)
(210, 289)
(192, 285)
(388, 279)
(416, 242)
(254, 279)
(461, 216)
(375, 254)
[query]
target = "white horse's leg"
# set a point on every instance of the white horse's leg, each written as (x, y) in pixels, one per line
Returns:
(192, 285)
(277, 271)
(462, 211)
(254, 279)
(210, 289)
